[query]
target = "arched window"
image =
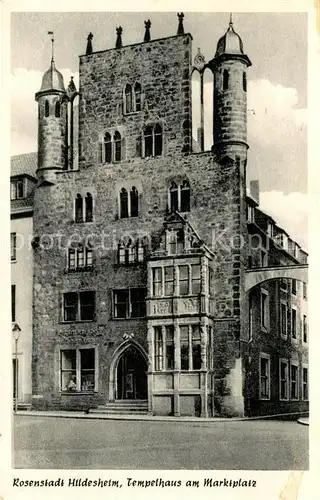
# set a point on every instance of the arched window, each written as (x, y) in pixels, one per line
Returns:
(79, 258)
(124, 212)
(121, 253)
(46, 109)
(157, 140)
(225, 79)
(134, 202)
(137, 96)
(79, 208)
(57, 110)
(117, 146)
(128, 98)
(131, 252)
(107, 148)
(173, 201)
(148, 141)
(88, 208)
(244, 81)
(185, 197)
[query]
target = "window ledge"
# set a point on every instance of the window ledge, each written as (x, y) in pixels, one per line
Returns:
(264, 398)
(14, 261)
(83, 222)
(79, 269)
(284, 337)
(78, 393)
(77, 321)
(126, 319)
(130, 113)
(284, 399)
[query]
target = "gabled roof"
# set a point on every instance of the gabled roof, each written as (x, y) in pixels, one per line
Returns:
(25, 164)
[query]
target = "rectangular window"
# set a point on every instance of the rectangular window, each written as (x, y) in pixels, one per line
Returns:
(183, 280)
(129, 303)
(158, 348)
(80, 258)
(13, 241)
(294, 324)
(168, 280)
(184, 347)
(13, 303)
(196, 348)
(263, 258)
(17, 189)
(294, 287)
(283, 313)
(250, 213)
(195, 279)
(79, 306)
(305, 383)
(265, 313)
(284, 284)
(294, 382)
(77, 370)
(284, 379)
(169, 347)
(305, 329)
(157, 281)
(137, 302)
(304, 287)
(264, 376)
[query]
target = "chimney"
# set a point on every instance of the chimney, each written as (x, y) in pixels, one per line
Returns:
(255, 191)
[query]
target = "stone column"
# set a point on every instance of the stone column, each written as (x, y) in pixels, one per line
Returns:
(150, 367)
(177, 368)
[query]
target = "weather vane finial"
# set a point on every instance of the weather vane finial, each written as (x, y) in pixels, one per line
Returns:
(52, 43)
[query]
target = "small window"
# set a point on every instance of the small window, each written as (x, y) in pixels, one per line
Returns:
(265, 312)
(158, 348)
(169, 345)
(158, 140)
(107, 148)
(294, 324)
(124, 204)
(305, 329)
(183, 280)
(196, 347)
(225, 79)
(157, 281)
(264, 377)
(195, 279)
(284, 379)
(283, 318)
(174, 205)
(17, 189)
(148, 141)
(57, 109)
(185, 197)
(263, 258)
(128, 99)
(130, 303)
(79, 258)
(13, 242)
(77, 370)
(304, 285)
(137, 95)
(79, 208)
(175, 241)
(294, 387)
(168, 280)
(88, 208)
(46, 109)
(305, 383)
(190, 347)
(79, 306)
(134, 202)
(294, 287)
(184, 347)
(131, 253)
(244, 81)
(117, 146)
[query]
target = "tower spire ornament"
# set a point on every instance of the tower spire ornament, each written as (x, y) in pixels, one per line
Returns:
(51, 33)
(89, 44)
(180, 25)
(230, 21)
(147, 35)
(119, 38)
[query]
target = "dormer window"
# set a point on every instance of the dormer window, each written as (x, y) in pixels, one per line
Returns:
(17, 189)
(175, 241)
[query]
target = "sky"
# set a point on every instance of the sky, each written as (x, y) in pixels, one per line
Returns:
(276, 44)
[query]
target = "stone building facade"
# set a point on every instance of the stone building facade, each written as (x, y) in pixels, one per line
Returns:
(141, 249)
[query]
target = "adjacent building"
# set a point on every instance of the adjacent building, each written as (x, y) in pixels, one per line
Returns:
(142, 245)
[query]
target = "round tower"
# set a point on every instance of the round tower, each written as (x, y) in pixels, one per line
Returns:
(52, 124)
(230, 66)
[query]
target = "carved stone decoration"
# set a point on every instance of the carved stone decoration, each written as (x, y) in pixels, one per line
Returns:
(199, 61)
(161, 307)
(128, 336)
(188, 305)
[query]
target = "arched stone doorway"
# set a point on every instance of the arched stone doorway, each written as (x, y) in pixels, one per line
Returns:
(129, 380)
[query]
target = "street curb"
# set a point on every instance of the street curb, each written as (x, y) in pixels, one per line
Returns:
(152, 418)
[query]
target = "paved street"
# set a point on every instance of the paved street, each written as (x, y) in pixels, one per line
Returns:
(57, 443)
